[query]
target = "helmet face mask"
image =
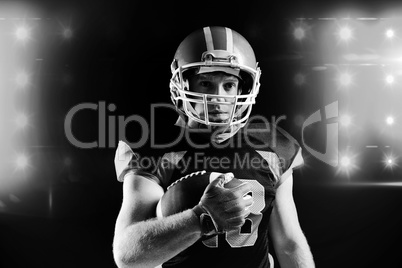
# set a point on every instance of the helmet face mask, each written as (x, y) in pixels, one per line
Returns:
(234, 57)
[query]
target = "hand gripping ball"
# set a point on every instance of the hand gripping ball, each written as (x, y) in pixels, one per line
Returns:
(186, 192)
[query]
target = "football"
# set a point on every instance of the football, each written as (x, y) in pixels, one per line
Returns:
(186, 192)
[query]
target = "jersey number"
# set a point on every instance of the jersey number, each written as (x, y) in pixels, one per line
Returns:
(247, 235)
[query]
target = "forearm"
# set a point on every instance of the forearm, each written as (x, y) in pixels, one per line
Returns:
(296, 255)
(152, 242)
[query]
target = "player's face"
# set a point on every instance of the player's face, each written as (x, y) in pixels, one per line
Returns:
(216, 83)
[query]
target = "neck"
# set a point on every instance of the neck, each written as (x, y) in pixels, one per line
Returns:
(217, 134)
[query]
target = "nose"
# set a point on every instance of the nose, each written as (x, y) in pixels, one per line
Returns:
(218, 90)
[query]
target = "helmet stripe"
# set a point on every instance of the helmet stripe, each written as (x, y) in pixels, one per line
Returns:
(208, 38)
(219, 38)
(215, 40)
(229, 40)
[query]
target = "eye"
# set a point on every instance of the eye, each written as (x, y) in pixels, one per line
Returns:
(205, 83)
(229, 86)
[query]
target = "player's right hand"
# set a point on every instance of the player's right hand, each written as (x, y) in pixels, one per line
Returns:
(227, 207)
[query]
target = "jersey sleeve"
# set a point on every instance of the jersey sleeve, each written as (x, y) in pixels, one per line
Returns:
(282, 151)
(297, 162)
(290, 154)
(128, 162)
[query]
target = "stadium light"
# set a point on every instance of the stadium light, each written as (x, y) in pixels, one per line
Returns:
(345, 34)
(22, 162)
(390, 33)
(347, 163)
(299, 79)
(345, 120)
(299, 33)
(67, 33)
(345, 79)
(389, 161)
(389, 79)
(22, 33)
(390, 120)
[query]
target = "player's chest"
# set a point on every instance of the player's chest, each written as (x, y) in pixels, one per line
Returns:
(246, 165)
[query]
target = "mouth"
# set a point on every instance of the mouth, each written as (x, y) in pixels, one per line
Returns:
(217, 112)
(218, 116)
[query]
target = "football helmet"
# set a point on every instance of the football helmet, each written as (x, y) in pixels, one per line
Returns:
(215, 49)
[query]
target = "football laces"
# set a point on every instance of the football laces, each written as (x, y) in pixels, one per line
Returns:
(201, 172)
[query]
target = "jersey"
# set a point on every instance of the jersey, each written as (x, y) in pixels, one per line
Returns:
(260, 154)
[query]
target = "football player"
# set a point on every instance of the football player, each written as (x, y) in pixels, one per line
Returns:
(215, 81)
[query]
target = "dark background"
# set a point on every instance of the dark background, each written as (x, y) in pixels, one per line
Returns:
(120, 54)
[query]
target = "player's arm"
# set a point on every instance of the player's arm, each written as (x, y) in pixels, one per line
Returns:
(290, 244)
(140, 239)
